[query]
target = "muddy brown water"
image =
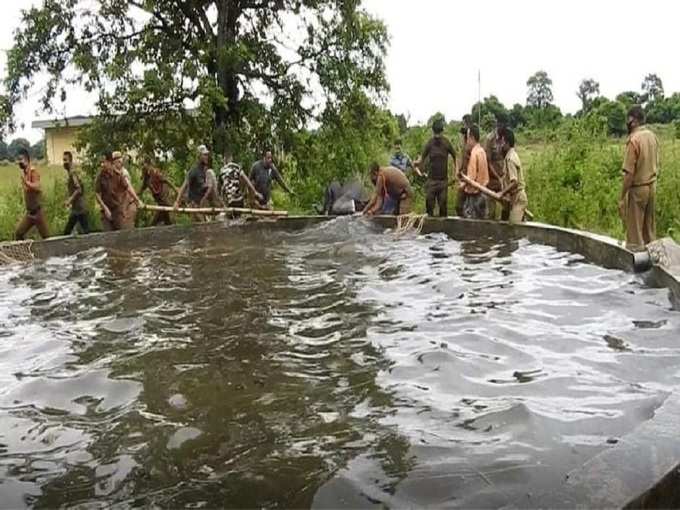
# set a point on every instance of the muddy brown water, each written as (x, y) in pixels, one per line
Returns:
(333, 367)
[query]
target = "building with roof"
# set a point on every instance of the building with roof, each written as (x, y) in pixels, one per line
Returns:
(61, 136)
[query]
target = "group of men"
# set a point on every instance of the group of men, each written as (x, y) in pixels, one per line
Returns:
(484, 176)
(118, 202)
(483, 172)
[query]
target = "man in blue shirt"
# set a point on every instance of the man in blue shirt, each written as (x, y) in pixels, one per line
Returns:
(401, 160)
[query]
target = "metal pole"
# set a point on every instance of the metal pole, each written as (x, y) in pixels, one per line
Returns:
(479, 96)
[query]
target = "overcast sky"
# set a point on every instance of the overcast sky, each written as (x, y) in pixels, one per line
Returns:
(438, 47)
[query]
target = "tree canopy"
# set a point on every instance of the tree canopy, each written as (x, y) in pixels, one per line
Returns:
(539, 94)
(241, 73)
(588, 90)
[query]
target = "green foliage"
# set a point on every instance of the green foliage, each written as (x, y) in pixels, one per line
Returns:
(16, 145)
(349, 139)
(630, 98)
(576, 184)
(38, 150)
(492, 109)
(611, 114)
(4, 151)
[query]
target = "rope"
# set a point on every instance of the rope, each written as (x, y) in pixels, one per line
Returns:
(409, 224)
(11, 253)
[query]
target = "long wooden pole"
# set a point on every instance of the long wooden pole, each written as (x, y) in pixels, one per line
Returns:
(214, 211)
(490, 193)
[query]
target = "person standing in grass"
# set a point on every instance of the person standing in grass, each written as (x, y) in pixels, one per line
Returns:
(76, 198)
(402, 161)
(478, 171)
(30, 182)
(437, 150)
(462, 168)
(160, 187)
(512, 180)
(495, 161)
(112, 192)
(638, 193)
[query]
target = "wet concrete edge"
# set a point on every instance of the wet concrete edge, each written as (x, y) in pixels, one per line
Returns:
(641, 471)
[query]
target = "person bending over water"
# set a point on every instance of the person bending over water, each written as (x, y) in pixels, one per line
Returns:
(393, 194)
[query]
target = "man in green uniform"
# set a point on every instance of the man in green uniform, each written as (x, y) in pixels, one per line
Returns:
(76, 198)
(513, 178)
(496, 162)
(638, 193)
(437, 151)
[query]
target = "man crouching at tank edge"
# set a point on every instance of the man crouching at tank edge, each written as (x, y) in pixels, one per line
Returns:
(512, 179)
(392, 196)
(638, 193)
(112, 191)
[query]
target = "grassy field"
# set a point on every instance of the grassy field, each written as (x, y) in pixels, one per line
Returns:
(574, 182)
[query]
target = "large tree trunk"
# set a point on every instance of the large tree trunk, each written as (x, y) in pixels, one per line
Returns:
(226, 118)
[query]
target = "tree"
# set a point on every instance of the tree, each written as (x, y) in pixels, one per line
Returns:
(402, 122)
(629, 98)
(17, 144)
(518, 116)
(4, 153)
(612, 114)
(588, 90)
(540, 90)
(239, 72)
(492, 109)
(652, 86)
(38, 150)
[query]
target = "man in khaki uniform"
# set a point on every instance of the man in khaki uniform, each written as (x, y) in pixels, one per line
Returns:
(496, 162)
(638, 194)
(513, 178)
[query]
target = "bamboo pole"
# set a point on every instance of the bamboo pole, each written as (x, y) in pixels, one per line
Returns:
(490, 193)
(214, 211)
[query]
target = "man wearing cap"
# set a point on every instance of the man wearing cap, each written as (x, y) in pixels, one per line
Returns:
(113, 192)
(437, 150)
(200, 184)
(495, 161)
(130, 203)
(262, 175)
